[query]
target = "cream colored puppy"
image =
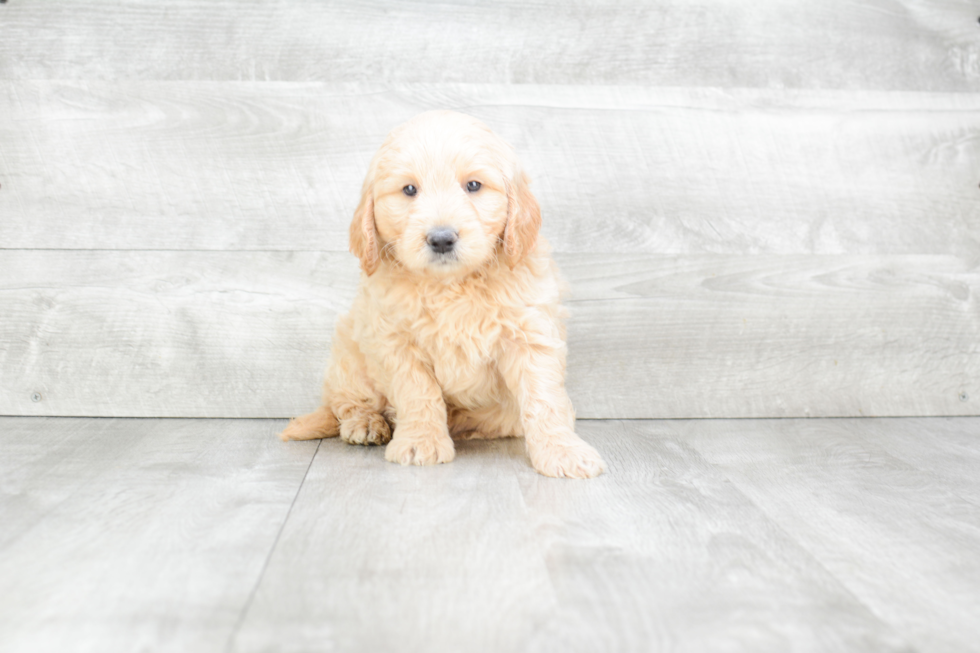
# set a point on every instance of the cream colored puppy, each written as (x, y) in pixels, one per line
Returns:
(457, 329)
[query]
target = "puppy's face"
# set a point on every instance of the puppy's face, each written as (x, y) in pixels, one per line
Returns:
(443, 196)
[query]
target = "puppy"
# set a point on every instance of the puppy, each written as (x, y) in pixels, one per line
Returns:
(457, 329)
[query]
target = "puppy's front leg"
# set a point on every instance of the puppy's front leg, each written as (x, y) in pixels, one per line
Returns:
(534, 371)
(421, 434)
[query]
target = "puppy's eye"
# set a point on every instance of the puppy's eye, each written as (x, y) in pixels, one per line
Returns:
(410, 190)
(473, 186)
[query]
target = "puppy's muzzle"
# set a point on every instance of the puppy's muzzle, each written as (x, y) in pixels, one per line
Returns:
(441, 240)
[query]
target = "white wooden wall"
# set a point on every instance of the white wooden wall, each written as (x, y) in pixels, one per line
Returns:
(764, 209)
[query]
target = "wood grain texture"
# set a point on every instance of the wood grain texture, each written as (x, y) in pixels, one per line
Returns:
(379, 557)
(656, 553)
(735, 535)
(218, 166)
(128, 535)
(908, 441)
(901, 536)
(884, 44)
(246, 334)
(773, 336)
(660, 553)
(168, 334)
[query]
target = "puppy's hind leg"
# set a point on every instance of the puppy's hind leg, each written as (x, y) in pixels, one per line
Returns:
(357, 417)
(351, 394)
(351, 407)
(360, 409)
(364, 425)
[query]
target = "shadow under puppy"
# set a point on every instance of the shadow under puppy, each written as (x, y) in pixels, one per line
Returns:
(456, 330)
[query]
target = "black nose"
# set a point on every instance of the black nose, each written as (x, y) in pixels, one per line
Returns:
(442, 239)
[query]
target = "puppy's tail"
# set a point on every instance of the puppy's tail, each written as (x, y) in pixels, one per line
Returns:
(321, 423)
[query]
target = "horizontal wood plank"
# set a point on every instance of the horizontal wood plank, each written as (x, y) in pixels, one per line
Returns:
(278, 166)
(246, 334)
(884, 44)
(774, 336)
(130, 535)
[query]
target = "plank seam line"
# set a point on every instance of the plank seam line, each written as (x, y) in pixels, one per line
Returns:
(266, 250)
(265, 564)
(845, 587)
(684, 418)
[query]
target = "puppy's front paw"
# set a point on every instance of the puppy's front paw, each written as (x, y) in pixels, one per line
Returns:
(415, 449)
(567, 459)
(365, 428)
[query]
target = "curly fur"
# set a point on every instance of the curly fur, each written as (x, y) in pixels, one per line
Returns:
(467, 345)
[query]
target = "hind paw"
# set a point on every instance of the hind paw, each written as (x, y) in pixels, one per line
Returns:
(365, 428)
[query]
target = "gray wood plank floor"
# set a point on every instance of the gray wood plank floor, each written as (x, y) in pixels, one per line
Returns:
(736, 535)
(129, 535)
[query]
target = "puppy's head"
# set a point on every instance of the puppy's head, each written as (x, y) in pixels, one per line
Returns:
(444, 195)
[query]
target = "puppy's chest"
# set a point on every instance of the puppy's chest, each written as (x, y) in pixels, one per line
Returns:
(461, 341)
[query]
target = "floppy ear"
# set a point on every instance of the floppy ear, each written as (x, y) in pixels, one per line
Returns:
(363, 236)
(523, 219)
